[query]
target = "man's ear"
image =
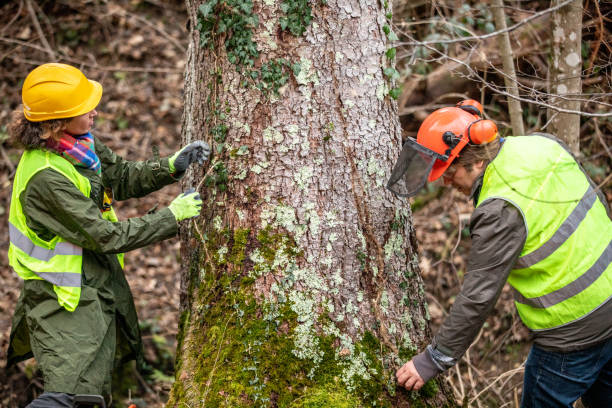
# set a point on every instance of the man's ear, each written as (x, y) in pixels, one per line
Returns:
(479, 166)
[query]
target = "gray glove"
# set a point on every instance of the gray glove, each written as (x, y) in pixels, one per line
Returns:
(197, 151)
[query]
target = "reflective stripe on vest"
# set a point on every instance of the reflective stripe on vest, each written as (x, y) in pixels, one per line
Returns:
(56, 261)
(564, 271)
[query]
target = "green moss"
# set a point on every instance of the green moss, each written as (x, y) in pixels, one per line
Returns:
(237, 253)
(326, 396)
(245, 352)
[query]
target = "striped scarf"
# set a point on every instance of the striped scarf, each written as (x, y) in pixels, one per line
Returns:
(78, 150)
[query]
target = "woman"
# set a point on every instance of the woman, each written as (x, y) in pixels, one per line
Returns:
(76, 314)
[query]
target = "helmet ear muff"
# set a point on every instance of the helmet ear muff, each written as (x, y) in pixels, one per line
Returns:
(471, 106)
(482, 131)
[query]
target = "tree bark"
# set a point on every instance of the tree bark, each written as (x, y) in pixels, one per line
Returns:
(514, 105)
(565, 72)
(300, 280)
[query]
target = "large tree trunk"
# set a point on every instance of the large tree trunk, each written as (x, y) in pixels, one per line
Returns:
(565, 72)
(301, 282)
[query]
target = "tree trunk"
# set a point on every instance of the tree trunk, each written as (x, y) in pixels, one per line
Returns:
(565, 72)
(301, 284)
(514, 105)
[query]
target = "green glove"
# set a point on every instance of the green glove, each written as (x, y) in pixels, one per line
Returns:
(186, 205)
(197, 151)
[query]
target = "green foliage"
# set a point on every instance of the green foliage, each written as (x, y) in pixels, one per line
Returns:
(273, 75)
(298, 15)
(234, 19)
(395, 93)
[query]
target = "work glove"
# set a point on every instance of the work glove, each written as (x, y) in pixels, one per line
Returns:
(186, 205)
(197, 151)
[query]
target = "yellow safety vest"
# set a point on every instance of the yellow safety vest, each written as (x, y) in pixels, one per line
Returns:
(57, 261)
(564, 271)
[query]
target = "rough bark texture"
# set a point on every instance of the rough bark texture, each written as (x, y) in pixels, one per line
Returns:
(565, 72)
(301, 282)
(505, 49)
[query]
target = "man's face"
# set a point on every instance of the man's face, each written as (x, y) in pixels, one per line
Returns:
(462, 179)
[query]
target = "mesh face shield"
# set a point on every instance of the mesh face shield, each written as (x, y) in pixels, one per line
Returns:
(412, 168)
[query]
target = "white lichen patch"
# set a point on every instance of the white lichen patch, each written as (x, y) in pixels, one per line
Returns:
(381, 91)
(371, 123)
(561, 89)
(303, 177)
(356, 368)
(271, 134)
(311, 218)
(310, 279)
(217, 223)
(375, 169)
(348, 103)
(394, 245)
(384, 301)
(407, 342)
(241, 175)
(558, 34)
(242, 150)
(339, 57)
(259, 167)
(221, 252)
(307, 75)
(331, 219)
(240, 215)
(306, 342)
(572, 59)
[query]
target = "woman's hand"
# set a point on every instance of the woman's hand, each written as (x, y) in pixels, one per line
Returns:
(197, 151)
(186, 205)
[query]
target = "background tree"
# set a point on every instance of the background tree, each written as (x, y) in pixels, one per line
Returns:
(565, 84)
(301, 278)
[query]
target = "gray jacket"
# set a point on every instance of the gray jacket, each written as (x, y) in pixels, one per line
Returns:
(498, 235)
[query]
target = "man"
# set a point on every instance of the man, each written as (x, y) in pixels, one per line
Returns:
(542, 225)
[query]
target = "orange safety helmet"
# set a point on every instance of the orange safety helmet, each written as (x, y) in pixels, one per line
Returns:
(56, 91)
(442, 135)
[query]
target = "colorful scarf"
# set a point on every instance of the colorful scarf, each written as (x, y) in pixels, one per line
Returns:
(78, 150)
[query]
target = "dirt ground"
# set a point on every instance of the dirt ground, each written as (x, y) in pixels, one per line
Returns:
(136, 50)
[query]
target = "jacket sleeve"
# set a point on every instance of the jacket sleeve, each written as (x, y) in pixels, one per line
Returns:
(132, 179)
(54, 206)
(498, 235)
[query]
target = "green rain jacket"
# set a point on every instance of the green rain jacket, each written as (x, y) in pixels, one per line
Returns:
(77, 351)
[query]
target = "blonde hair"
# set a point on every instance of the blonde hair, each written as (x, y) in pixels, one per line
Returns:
(33, 135)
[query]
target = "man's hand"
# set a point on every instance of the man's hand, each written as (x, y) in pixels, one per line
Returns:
(408, 377)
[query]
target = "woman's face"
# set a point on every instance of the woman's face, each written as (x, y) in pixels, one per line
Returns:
(80, 125)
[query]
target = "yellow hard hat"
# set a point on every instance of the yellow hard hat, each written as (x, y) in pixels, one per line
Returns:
(56, 91)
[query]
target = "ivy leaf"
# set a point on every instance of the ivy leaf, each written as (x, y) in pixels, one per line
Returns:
(386, 29)
(392, 36)
(395, 93)
(391, 53)
(207, 8)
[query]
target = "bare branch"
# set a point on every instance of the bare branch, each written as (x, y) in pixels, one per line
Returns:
(39, 30)
(492, 34)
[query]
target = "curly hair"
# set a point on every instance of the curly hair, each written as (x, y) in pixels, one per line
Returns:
(33, 135)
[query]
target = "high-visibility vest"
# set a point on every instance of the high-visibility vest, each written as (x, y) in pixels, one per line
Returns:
(57, 260)
(564, 271)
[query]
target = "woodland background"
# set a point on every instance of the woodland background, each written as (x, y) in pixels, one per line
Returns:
(136, 49)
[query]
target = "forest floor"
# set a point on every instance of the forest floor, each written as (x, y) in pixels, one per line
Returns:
(136, 49)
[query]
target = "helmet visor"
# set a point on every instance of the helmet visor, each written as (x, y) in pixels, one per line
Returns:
(412, 168)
